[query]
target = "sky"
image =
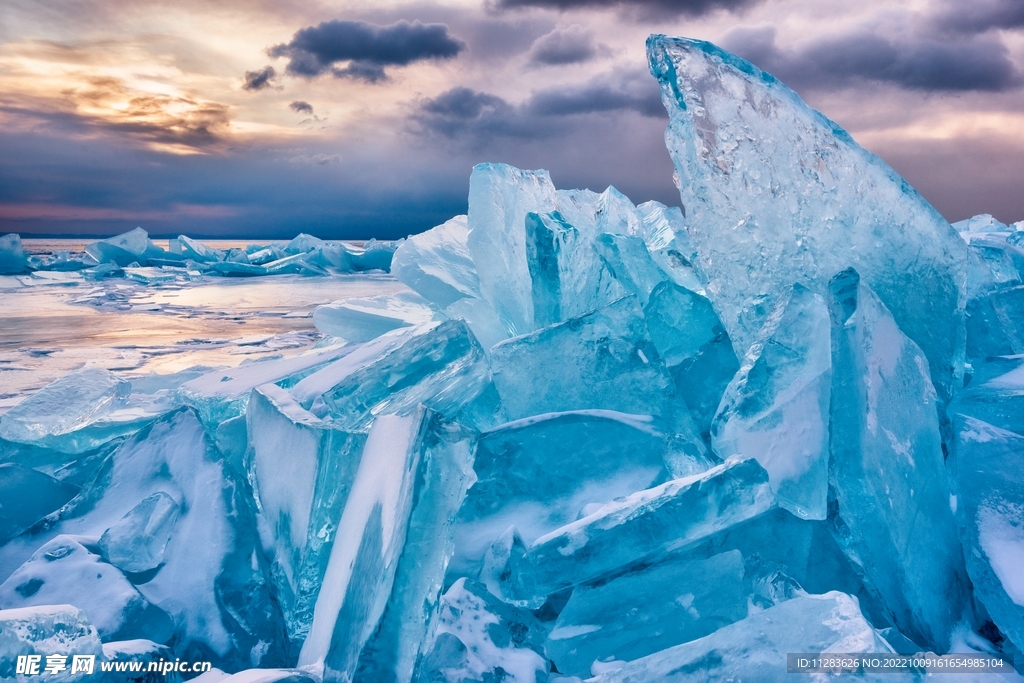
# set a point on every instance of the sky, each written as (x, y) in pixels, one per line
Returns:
(349, 120)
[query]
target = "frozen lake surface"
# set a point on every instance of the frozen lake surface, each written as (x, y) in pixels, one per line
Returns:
(52, 323)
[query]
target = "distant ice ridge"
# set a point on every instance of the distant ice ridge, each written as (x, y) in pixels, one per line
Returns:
(593, 440)
(134, 256)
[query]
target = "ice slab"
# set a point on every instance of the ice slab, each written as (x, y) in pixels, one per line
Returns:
(643, 526)
(538, 473)
(995, 394)
(887, 467)
(776, 409)
(643, 612)
(63, 572)
(125, 249)
(372, 529)
(500, 196)
(211, 581)
(137, 542)
(480, 638)
(995, 326)
(412, 613)
(437, 263)
(197, 251)
(693, 343)
(988, 499)
(361, 320)
(439, 365)
(302, 471)
(602, 360)
(567, 277)
(755, 648)
(222, 395)
(42, 631)
(983, 222)
(775, 193)
(13, 259)
(664, 233)
(74, 414)
(26, 496)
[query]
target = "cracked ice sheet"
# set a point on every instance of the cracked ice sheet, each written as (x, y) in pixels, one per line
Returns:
(208, 322)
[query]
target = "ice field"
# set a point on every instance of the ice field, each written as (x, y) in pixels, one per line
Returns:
(562, 438)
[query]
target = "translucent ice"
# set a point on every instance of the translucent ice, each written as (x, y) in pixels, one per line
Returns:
(601, 360)
(646, 611)
(63, 571)
(437, 263)
(136, 543)
(363, 560)
(26, 496)
(73, 414)
(664, 232)
(776, 408)
(410, 618)
(755, 648)
(627, 258)
(197, 251)
(302, 470)
(887, 467)
(360, 320)
(539, 472)
(645, 525)
(211, 580)
(13, 259)
(989, 504)
(689, 336)
(567, 277)
(42, 631)
(480, 638)
(500, 196)
(222, 395)
(442, 367)
(981, 223)
(774, 193)
(132, 246)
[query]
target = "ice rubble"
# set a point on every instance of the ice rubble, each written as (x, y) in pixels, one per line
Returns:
(594, 439)
(133, 255)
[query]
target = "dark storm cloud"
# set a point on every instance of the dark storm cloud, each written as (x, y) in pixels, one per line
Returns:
(640, 8)
(974, 62)
(258, 80)
(978, 16)
(465, 113)
(569, 45)
(300, 107)
(367, 48)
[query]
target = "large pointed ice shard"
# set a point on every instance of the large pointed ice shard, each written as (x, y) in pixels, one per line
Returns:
(776, 408)
(989, 504)
(372, 529)
(886, 468)
(500, 196)
(775, 193)
(302, 470)
(645, 525)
